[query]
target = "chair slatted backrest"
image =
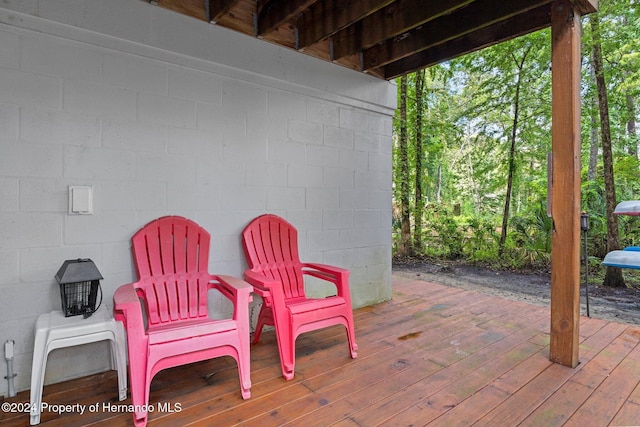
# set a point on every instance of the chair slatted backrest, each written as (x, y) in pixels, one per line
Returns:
(271, 246)
(172, 256)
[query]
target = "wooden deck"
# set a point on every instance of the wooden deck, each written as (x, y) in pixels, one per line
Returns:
(434, 355)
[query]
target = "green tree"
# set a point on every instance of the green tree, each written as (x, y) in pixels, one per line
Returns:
(419, 172)
(402, 170)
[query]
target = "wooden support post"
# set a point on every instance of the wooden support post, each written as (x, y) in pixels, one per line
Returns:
(565, 198)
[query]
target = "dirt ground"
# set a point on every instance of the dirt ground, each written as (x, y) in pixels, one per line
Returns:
(620, 305)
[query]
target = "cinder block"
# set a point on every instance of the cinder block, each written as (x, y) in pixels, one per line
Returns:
(351, 118)
(197, 142)
(30, 160)
(372, 255)
(134, 135)
(322, 156)
(216, 172)
(337, 177)
(167, 167)
(242, 97)
(116, 261)
(368, 142)
(322, 198)
(8, 122)
(245, 149)
(287, 106)
(305, 220)
(367, 181)
(285, 152)
(352, 198)
(27, 230)
(24, 88)
(354, 160)
(84, 164)
(242, 197)
(379, 162)
(286, 198)
(9, 268)
(333, 219)
(8, 194)
(43, 195)
(368, 218)
(168, 111)
(321, 241)
(197, 197)
(100, 99)
(338, 137)
(304, 176)
(323, 112)
(220, 121)
(380, 199)
(59, 127)
(88, 229)
(133, 196)
(267, 175)
(341, 258)
(307, 132)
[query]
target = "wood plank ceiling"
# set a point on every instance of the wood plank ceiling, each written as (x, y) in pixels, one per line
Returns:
(384, 38)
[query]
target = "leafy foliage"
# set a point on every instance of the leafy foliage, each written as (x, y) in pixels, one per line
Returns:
(468, 124)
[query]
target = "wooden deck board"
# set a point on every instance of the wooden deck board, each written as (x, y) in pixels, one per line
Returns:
(434, 355)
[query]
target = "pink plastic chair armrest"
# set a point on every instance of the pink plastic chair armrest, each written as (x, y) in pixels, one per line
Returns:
(238, 291)
(127, 309)
(325, 268)
(261, 283)
(336, 275)
(270, 290)
(232, 286)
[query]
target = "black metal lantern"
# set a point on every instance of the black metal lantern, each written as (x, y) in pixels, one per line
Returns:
(79, 281)
(584, 221)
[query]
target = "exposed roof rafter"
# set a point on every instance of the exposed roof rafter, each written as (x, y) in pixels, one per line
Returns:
(384, 38)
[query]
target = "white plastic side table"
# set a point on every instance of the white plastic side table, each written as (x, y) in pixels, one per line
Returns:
(53, 331)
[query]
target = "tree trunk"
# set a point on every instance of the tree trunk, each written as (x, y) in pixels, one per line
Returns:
(404, 247)
(512, 155)
(613, 275)
(439, 185)
(593, 140)
(419, 206)
(632, 149)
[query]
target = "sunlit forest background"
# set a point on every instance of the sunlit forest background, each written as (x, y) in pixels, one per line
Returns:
(472, 136)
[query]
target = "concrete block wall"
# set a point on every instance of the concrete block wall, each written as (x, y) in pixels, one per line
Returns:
(162, 114)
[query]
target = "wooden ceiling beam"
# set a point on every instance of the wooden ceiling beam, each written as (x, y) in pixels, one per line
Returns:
(326, 17)
(194, 8)
(384, 38)
(531, 21)
(391, 21)
(273, 13)
(218, 8)
(585, 6)
(478, 15)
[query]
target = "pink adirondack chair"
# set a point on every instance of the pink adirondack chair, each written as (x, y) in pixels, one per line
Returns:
(277, 275)
(171, 256)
